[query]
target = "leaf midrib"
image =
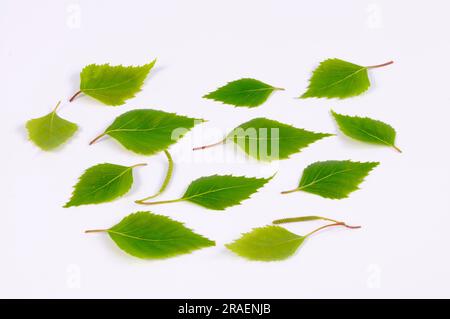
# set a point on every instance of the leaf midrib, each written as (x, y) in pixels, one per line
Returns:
(325, 177)
(212, 191)
(143, 239)
(374, 136)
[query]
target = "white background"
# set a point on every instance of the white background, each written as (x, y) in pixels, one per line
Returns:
(403, 206)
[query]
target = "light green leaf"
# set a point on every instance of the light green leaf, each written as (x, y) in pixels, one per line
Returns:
(333, 179)
(268, 243)
(113, 85)
(269, 140)
(218, 191)
(150, 236)
(148, 132)
(335, 78)
(243, 92)
(50, 131)
(366, 130)
(102, 183)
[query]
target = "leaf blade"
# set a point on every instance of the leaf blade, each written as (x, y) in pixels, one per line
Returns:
(365, 129)
(101, 183)
(113, 85)
(151, 236)
(50, 131)
(244, 92)
(146, 131)
(269, 243)
(218, 192)
(334, 179)
(335, 78)
(267, 140)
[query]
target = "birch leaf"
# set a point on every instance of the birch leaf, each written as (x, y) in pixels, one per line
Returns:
(366, 130)
(218, 191)
(268, 243)
(244, 92)
(150, 236)
(148, 132)
(269, 140)
(102, 183)
(50, 131)
(112, 85)
(335, 78)
(333, 179)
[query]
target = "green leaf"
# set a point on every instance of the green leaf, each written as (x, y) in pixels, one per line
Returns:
(102, 183)
(151, 236)
(50, 131)
(366, 130)
(148, 132)
(218, 191)
(268, 243)
(268, 140)
(335, 78)
(333, 179)
(243, 92)
(113, 85)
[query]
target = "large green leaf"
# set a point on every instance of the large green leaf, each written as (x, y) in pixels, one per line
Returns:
(50, 131)
(102, 183)
(243, 92)
(113, 85)
(218, 191)
(335, 78)
(269, 140)
(268, 243)
(366, 129)
(333, 179)
(151, 236)
(148, 132)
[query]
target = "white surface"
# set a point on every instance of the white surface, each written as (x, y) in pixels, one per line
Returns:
(402, 249)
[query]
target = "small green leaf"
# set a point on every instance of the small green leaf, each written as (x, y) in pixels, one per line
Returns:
(268, 243)
(333, 179)
(102, 183)
(243, 92)
(113, 85)
(366, 130)
(335, 78)
(50, 131)
(269, 140)
(148, 132)
(218, 191)
(150, 236)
